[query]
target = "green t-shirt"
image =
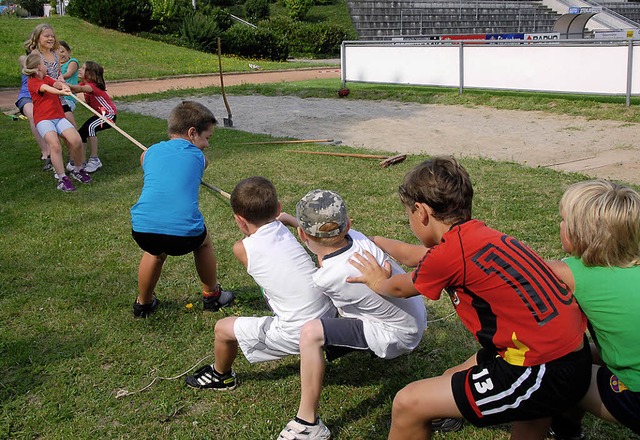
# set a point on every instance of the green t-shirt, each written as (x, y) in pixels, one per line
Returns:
(610, 297)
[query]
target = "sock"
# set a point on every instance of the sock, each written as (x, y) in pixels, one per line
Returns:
(214, 294)
(304, 422)
(77, 168)
(215, 372)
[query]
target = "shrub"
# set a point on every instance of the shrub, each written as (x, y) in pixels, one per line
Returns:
(247, 42)
(168, 15)
(298, 9)
(200, 32)
(309, 38)
(256, 9)
(34, 7)
(129, 16)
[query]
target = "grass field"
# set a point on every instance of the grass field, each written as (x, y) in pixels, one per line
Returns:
(123, 56)
(69, 343)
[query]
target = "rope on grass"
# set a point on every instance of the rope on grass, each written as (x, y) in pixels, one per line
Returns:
(441, 319)
(124, 393)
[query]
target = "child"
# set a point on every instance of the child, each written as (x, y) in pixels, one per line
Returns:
(43, 41)
(283, 270)
(600, 229)
(533, 363)
(25, 105)
(51, 122)
(385, 326)
(92, 84)
(166, 220)
(69, 69)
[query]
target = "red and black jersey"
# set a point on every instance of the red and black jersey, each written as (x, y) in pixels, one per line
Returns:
(99, 100)
(504, 293)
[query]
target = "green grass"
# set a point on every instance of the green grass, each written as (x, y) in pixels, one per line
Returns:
(69, 342)
(123, 56)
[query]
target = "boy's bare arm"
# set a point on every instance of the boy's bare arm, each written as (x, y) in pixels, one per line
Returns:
(288, 220)
(563, 272)
(404, 253)
(240, 252)
(378, 278)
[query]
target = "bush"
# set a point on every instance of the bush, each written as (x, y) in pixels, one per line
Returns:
(247, 42)
(129, 16)
(168, 15)
(34, 7)
(309, 38)
(200, 32)
(256, 10)
(298, 9)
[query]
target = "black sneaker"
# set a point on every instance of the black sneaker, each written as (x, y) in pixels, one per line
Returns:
(144, 310)
(207, 379)
(215, 303)
(447, 425)
(562, 429)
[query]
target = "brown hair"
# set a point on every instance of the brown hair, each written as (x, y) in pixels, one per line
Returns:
(442, 184)
(255, 200)
(602, 223)
(93, 72)
(189, 114)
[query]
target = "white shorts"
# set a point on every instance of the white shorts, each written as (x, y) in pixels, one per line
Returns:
(264, 339)
(57, 125)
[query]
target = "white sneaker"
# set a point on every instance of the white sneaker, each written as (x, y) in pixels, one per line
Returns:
(298, 431)
(70, 166)
(93, 165)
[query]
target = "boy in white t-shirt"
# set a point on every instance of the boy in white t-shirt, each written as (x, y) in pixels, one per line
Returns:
(387, 327)
(282, 268)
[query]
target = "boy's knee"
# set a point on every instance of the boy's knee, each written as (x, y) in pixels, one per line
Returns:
(223, 330)
(312, 333)
(404, 401)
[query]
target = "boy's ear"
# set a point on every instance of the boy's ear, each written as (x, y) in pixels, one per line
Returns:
(242, 223)
(424, 211)
(348, 225)
(279, 209)
(302, 235)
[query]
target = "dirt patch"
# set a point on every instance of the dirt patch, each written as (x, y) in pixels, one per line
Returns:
(607, 149)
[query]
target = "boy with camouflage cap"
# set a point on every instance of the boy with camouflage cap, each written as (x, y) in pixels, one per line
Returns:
(386, 327)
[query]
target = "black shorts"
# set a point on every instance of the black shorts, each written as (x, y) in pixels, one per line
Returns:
(157, 244)
(622, 403)
(495, 392)
(66, 108)
(342, 336)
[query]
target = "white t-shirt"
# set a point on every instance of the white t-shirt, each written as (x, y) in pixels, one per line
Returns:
(282, 268)
(392, 326)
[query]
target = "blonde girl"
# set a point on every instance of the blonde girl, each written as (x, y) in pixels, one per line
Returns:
(50, 120)
(91, 76)
(600, 230)
(44, 42)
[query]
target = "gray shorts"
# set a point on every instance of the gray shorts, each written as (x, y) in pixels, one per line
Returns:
(342, 336)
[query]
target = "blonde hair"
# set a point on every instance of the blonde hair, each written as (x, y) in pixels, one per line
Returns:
(31, 63)
(31, 43)
(602, 223)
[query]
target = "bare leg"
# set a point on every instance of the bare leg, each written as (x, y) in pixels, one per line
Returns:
(55, 149)
(225, 346)
(74, 144)
(148, 275)
(417, 404)
(592, 401)
(93, 146)
(206, 265)
(531, 429)
(312, 368)
(27, 110)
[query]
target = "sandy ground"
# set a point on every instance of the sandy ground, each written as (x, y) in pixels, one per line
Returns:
(605, 149)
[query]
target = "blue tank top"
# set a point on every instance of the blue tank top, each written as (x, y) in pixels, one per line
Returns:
(169, 200)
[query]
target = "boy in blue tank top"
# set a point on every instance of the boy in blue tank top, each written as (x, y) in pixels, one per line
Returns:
(167, 219)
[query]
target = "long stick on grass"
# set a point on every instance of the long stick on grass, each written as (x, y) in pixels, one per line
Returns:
(132, 139)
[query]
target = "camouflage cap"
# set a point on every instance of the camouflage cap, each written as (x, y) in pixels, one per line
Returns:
(320, 209)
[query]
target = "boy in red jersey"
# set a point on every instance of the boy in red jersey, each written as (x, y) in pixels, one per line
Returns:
(533, 362)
